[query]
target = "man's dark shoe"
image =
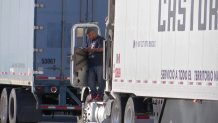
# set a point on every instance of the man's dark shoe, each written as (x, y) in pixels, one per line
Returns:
(99, 97)
(91, 97)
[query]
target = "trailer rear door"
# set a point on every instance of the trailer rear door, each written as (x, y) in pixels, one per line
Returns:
(54, 20)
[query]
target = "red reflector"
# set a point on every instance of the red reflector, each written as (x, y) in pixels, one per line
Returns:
(41, 77)
(44, 107)
(54, 89)
(77, 108)
(58, 78)
(61, 107)
(142, 117)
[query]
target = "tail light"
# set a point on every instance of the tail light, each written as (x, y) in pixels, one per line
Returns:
(54, 89)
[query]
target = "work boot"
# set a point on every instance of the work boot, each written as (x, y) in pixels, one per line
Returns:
(91, 97)
(99, 97)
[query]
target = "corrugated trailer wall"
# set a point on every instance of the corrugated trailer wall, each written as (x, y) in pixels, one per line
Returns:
(16, 41)
(53, 20)
(159, 53)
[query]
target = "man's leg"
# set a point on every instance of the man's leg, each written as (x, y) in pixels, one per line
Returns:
(92, 81)
(101, 82)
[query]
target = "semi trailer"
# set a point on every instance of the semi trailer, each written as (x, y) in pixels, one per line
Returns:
(35, 39)
(160, 63)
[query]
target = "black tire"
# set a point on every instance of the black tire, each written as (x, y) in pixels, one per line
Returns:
(4, 105)
(129, 116)
(117, 111)
(22, 107)
(137, 106)
(13, 108)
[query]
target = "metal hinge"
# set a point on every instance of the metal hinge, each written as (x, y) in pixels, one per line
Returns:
(39, 5)
(38, 72)
(37, 27)
(38, 50)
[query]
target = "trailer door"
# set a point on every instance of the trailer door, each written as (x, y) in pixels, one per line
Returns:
(54, 19)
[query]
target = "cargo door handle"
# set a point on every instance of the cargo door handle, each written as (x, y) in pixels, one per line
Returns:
(71, 57)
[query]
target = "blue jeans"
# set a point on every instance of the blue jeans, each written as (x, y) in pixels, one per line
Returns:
(96, 72)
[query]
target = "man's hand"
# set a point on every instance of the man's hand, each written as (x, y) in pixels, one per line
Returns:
(89, 50)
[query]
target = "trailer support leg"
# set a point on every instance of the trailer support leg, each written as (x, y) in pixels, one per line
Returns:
(62, 95)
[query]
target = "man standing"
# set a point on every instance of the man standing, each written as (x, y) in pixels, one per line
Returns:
(95, 63)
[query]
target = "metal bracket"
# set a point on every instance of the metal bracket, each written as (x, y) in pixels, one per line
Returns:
(39, 5)
(74, 97)
(38, 72)
(37, 27)
(38, 50)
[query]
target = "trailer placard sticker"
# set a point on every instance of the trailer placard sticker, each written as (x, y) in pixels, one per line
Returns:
(118, 59)
(138, 44)
(117, 73)
(196, 75)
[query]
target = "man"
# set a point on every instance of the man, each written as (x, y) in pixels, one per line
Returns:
(95, 63)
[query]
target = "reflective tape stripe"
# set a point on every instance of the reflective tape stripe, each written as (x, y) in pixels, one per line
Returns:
(164, 82)
(142, 117)
(130, 81)
(67, 78)
(42, 77)
(16, 73)
(50, 78)
(61, 107)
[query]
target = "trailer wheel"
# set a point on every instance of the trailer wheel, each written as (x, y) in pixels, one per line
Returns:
(4, 105)
(129, 116)
(117, 111)
(137, 106)
(22, 107)
(13, 106)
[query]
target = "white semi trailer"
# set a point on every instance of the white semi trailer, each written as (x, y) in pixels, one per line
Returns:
(160, 63)
(35, 38)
